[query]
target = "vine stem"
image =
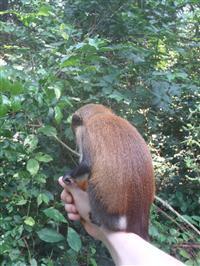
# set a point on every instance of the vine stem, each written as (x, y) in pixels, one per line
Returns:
(169, 207)
(27, 246)
(67, 147)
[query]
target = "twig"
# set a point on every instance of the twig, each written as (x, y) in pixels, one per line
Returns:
(67, 147)
(192, 245)
(29, 200)
(168, 206)
(34, 126)
(26, 244)
(170, 218)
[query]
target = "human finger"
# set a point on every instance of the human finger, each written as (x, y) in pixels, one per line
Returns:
(80, 198)
(73, 216)
(66, 196)
(71, 208)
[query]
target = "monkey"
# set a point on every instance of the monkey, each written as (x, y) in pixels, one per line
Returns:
(115, 168)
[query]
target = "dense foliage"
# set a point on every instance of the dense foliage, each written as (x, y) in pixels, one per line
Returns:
(141, 58)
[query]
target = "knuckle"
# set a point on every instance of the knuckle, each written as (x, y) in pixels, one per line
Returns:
(63, 195)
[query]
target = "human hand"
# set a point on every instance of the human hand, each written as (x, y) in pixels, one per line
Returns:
(125, 248)
(77, 207)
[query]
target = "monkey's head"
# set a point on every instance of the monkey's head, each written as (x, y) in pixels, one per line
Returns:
(86, 112)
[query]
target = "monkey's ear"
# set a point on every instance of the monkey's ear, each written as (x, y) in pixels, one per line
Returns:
(76, 120)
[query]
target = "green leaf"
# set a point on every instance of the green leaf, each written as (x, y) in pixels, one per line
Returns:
(94, 43)
(55, 215)
(21, 202)
(50, 235)
(14, 88)
(5, 100)
(65, 35)
(15, 103)
(14, 254)
(153, 231)
(184, 253)
(57, 92)
(3, 109)
(74, 240)
(32, 166)
(116, 95)
(48, 131)
(44, 11)
(70, 60)
(31, 141)
(93, 262)
(33, 262)
(29, 221)
(42, 198)
(41, 157)
(58, 114)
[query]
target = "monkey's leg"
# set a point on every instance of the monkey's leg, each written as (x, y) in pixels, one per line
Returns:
(100, 215)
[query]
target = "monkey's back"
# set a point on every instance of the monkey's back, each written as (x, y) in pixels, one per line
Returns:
(122, 179)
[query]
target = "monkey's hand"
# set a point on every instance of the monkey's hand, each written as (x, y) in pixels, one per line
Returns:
(66, 177)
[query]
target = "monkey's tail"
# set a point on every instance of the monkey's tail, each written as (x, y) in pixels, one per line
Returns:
(138, 223)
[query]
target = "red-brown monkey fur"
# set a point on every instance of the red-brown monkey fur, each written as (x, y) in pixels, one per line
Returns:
(117, 165)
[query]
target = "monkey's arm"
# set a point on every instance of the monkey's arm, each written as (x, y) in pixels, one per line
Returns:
(78, 172)
(81, 172)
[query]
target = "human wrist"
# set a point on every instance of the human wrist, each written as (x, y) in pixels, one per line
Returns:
(120, 245)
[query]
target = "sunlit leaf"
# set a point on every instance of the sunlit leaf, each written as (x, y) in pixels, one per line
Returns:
(21, 202)
(41, 157)
(32, 166)
(44, 10)
(48, 131)
(31, 141)
(69, 61)
(29, 221)
(57, 92)
(33, 262)
(58, 114)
